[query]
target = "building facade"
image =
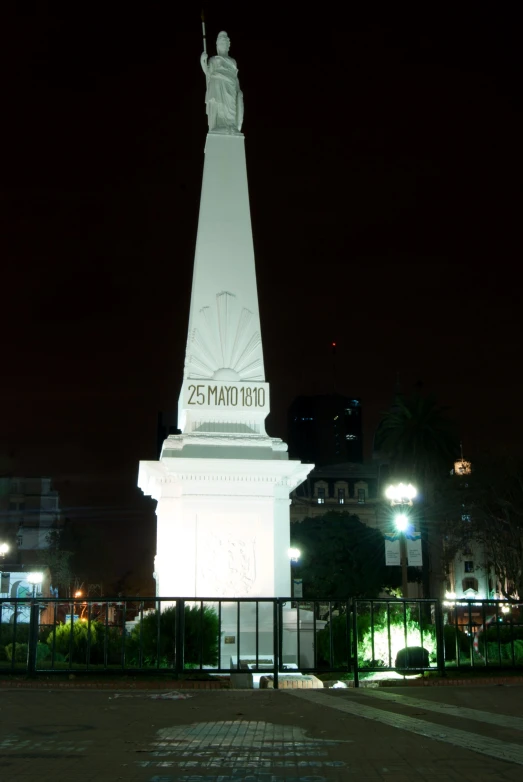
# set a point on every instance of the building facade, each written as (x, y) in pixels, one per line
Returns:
(29, 511)
(325, 429)
(349, 488)
(470, 576)
(469, 573)
(16, 589)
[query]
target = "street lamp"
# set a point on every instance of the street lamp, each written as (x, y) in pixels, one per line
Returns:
(401, 493)
(401, 522)
(35, 579)
(4, 548)
(401, 496)
(294, 556)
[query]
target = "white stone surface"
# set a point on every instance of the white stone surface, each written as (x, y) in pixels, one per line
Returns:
(222, 525)
(223, 485)
(224, 301)
(224, 389)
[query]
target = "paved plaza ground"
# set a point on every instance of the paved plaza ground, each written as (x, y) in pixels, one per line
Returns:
(395, 734)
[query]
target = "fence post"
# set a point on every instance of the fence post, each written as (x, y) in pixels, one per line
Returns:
(277, 615)
(180, 635)
(440, 638)
(33, 638)
(355, 642)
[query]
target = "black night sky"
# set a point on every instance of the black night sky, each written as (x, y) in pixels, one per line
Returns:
(385, 170)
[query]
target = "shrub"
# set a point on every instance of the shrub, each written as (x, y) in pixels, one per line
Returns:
(20, 652)
(505, 633)
(411, 658)
(373, 642)
(502, 654)
(7, 636)
(202, 635)
(201, 638)
(339, 643)
(518, 652)
(42, 652)
(453, 636)
(403, 630)
(84, 638)
(499, 654)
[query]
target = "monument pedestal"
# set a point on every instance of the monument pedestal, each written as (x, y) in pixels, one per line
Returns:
(301, 654)
(223, 525)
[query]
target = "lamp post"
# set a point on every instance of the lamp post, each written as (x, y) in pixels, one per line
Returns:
(77, 594)
(401, 496)
(35, 579)
(4, 548)
(294, 556)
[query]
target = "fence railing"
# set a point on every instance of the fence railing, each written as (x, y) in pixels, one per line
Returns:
(243, 637)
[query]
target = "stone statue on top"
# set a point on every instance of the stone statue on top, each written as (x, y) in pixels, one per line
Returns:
(223, 98)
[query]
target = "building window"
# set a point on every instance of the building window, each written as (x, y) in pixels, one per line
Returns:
(321, 496)
(341, 496)
(469, 566)
(470, 583)
(4, 583)
(361, 496)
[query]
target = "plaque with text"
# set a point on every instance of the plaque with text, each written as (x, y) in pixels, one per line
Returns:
(226, 396)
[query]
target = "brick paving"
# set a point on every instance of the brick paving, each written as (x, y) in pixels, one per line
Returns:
(257, 736)
(86, 683)
(452, 682)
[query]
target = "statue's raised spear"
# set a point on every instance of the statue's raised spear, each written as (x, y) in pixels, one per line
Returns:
(203, 33)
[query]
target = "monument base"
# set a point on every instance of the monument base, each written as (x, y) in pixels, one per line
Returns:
(223, 525)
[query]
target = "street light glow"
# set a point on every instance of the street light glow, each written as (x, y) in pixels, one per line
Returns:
(35, 578)
(401, 520)
(401, 493)
(294, 554)
(4, 548)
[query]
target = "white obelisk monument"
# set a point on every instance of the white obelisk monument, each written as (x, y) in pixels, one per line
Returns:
(223, 485)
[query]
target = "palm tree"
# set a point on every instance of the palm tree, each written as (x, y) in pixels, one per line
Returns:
(418, 438)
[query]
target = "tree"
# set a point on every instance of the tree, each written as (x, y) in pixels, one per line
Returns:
(418, 438)
(135, 582)
(488, 507)
(341, 557)
(153, 643)
(76, 556)
(58, 560)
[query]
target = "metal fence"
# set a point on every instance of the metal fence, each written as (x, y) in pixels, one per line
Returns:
(245, 637)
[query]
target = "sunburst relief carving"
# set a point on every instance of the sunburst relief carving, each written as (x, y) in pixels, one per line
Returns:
(225, 343)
